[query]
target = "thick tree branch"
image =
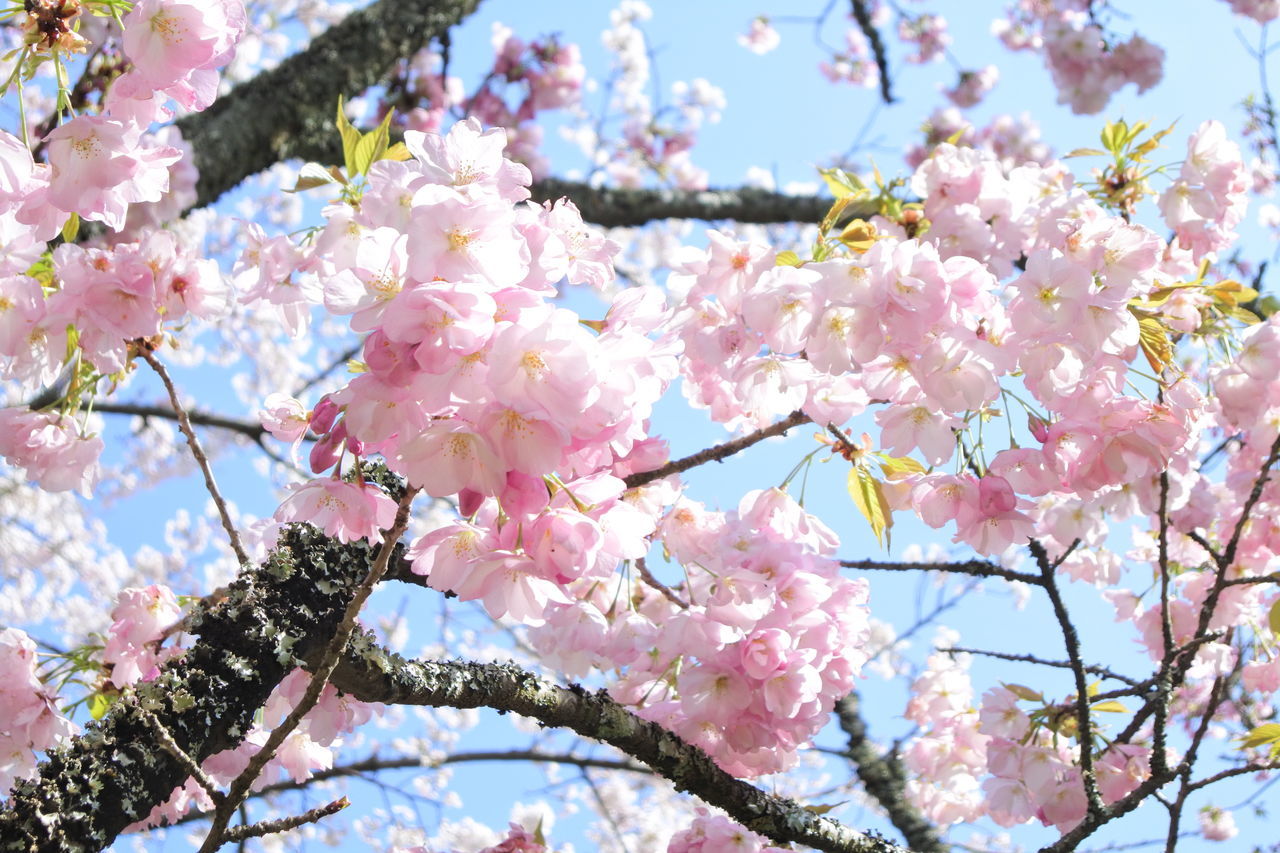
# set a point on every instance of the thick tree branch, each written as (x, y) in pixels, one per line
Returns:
(239, 787)
(288, 111)
(116, 772)
(883, 778)
(373, 674)
(611, 208)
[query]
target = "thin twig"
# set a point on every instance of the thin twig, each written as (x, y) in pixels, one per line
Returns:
(284, 824)
(1072, 641)
(188, 763)
(1057, 664)
(320, 677)
(718, 453)
(666, 591)
(324, 374)
(976, 568)
(184, 423)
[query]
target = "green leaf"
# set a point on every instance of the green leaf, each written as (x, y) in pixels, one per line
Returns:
(539, 836)
(99, 704)
(311, 176)
(897, 466)
(350, 139)
(1111, 133)
(398, 152)
(71, 228)
(1273, 618)
(373, 145)
(859, 235)
(868, 493)
(824, 808)
(1024, 693)
(1111, 706)
(788, 259)
(842, 184)
(833, 215)
(1244, 315)
(1083, 152)
(1267, 734)
(1154, 341)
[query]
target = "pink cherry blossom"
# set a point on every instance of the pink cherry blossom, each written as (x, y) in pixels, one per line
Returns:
(346, 511)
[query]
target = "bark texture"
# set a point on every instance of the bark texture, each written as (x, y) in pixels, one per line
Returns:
(289, 111)
(111, 776)
(373, 674)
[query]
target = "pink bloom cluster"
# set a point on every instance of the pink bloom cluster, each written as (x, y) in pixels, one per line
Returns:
(545, 74)
(345, 511)
(995, 761)
(712, 833)
(924, 327)
(99, 165)
(175, 47)
(779, 634)
(928, 34)
(1209, 197)
(51, 449)
(853, 65)
(1088, 65)
(139, 620)
(1014, 141)
(973, 86)
(760, 37)
(1261, 11)
(1218, 824)
(117, 295)
(30, 720)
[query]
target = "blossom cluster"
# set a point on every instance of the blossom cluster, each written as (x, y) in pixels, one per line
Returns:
(1087, 64)
(139, 622)
(995, 760)
(1208, 199)
(710, 833)
(547, 75)
(779, 634)
(32, 721)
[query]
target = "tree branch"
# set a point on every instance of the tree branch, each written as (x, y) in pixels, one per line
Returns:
(372, 674)
(862, 14)
(718, 453)
(253, 431)
(239, 787)
(211, 486)
(610, 208)
(883, 778)
(976, 568)
(288, 111)
(1072, 641)
(115, 772)
(1059, 664)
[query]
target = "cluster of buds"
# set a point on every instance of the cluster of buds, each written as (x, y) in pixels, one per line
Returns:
(51, 25)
